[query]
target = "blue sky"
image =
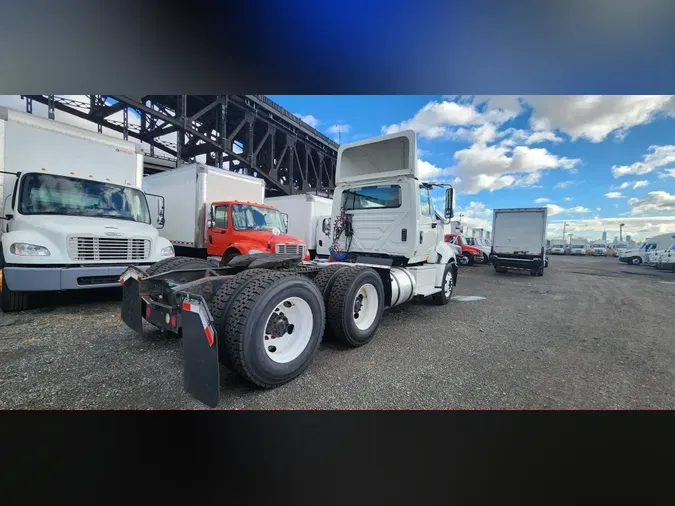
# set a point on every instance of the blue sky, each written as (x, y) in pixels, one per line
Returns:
(596, 160)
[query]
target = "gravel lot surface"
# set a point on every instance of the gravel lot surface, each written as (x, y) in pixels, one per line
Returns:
(591, 333)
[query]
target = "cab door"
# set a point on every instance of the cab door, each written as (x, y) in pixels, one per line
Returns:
(219, 236)
(428, 224)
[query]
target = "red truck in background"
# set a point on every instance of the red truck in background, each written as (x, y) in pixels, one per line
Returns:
(470, 254)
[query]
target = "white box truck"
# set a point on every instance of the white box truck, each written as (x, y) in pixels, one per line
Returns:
(73, 213)
(217, 213)
(519, 240)
(308, 219)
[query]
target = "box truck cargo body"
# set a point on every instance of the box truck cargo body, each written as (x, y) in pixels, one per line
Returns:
(519, 240)
(308, 220)
(213, 212)
(74, 215)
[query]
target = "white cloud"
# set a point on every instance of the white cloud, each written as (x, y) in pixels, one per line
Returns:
(531, 137)
(568, 199)
(640, 184)
(614, 195)
(667, 173)
(656, 201)
(564, 184)
(491, 168)
(542, 200)
(630, 184)
(309, 119)
(594, 117)
(341, 128)
(598, 209)
(554, 209)
(659, 156)
(475, 215)
(435, 118)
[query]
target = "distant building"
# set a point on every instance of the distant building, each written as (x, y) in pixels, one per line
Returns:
(604, 236)
(627, 238)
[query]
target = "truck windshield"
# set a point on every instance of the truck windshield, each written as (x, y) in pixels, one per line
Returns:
(248, 217)
(578, 246)
(61, 195)
(598, 246)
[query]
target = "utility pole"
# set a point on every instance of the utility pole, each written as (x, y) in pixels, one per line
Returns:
(621, 231)
(564, 227)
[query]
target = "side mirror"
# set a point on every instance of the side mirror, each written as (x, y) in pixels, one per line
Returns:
(211, 222)
(284, 217)
(449, 203)
(160, 213)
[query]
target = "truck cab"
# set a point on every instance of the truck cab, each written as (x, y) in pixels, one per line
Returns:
(241, 228)
(557, 248)
(599, 249)
(578, 248)
(470, 254)
(73, 214)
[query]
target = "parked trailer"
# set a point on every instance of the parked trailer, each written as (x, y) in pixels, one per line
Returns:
(264, 315)
(519, 240)
(73, 213)
(308, 219)
(217, 213)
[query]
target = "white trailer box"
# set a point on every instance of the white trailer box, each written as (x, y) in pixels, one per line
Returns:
(519, 239)
(477, 233)
(74, 214)
(188, 192)
(306, 216)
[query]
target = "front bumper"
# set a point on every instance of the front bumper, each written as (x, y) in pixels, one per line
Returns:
(51, 279)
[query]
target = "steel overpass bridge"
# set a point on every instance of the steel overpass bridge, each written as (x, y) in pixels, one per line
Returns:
(245, 133)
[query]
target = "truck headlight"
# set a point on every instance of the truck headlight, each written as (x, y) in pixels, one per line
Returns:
(25, 249)
(167, 251)
(253, 251)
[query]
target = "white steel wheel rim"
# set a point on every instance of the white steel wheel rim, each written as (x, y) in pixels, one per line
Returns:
(365, 307)
(448, 284)
(289, 339)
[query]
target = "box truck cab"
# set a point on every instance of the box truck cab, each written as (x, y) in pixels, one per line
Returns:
(73, 214)
(243, 228)
(470, 254)
(578, 248)
(217, 213)
(558, 247)
(599, 249)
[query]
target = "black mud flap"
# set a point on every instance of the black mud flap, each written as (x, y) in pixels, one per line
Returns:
(201, 369)
(132, 305)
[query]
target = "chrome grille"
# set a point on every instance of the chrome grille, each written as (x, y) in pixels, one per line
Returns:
(290, 249)
(107, 248)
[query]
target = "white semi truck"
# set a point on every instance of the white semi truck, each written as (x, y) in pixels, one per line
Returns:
(73, 213)
(308, 219)
(519, 240)
(264, 315)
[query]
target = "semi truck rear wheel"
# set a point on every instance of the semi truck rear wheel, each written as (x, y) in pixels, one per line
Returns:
(222, 302)
(274, 328)
(355, 305)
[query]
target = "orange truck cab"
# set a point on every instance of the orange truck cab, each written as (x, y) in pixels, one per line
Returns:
(240, 228)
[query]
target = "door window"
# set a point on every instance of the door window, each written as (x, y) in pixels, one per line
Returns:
(425, 202)
(220, 217)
